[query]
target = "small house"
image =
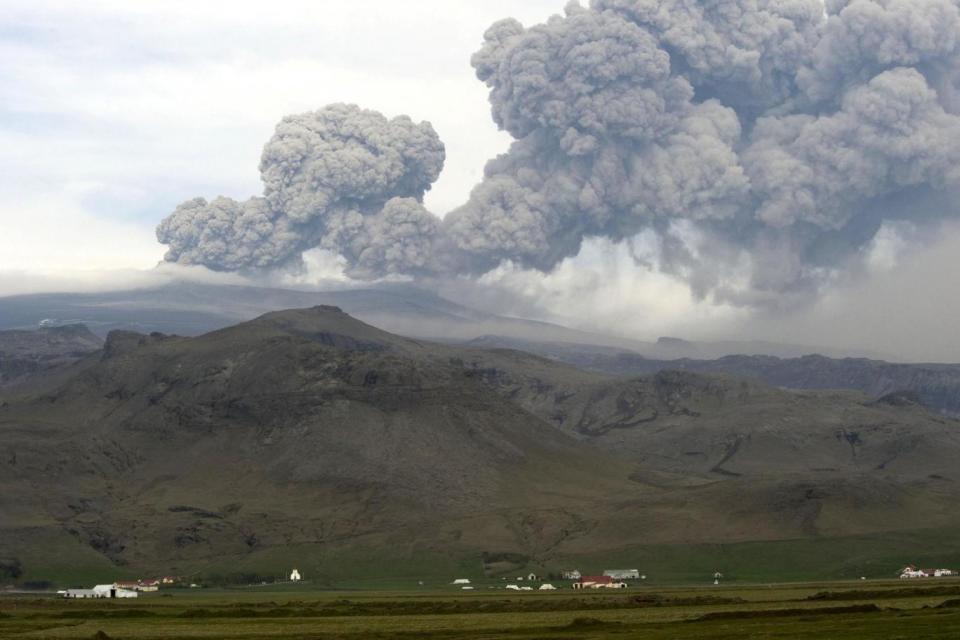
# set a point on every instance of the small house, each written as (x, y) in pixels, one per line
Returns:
(592, 582)
(295, 576)
(599, 582)
(571, 574)
(532, 577)
(148, 585)
(911, 571)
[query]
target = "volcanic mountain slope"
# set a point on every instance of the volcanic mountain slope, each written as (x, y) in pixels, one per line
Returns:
(25, 353)
(791, 463)
(310, 430)
(299, 427)
(935, 385)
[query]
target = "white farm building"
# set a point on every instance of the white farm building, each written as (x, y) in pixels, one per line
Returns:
(99, 591)
(623, 574)
(911, 571)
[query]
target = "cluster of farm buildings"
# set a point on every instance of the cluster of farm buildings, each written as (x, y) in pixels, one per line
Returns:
(133, 588)
(119, 589)
(911, 571)
(611, 579)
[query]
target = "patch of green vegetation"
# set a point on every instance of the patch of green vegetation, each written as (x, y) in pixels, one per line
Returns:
(725, 613)
(352, 568)
(586, 623)
(104, 614)
(375, 568)
(878, 556)
(10, 568)
(54, 558)
(906, 592)
(747, 614)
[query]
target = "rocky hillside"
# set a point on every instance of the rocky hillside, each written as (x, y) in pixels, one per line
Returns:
(26, 353)
(936, 385)
(312, 432)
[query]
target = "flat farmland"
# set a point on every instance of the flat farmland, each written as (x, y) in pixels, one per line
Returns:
(928, 609)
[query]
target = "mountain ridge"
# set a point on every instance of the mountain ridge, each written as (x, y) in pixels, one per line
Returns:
(310, 430)
(193, 308)
(936, 385)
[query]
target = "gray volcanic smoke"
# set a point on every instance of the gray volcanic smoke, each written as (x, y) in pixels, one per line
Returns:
(340, 178)
(758, 146)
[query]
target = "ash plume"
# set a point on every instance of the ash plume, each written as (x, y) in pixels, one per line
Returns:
(763, 144)
(337, 178)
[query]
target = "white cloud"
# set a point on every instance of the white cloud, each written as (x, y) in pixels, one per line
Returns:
(197, 87)
(58, 236)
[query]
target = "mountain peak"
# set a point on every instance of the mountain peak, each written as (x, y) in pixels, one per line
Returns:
(325, 324)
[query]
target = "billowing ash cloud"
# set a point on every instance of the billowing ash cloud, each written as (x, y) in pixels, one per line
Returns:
(342, 178)
(761, 143)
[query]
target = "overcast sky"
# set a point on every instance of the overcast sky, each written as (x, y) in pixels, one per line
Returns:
(113, 111)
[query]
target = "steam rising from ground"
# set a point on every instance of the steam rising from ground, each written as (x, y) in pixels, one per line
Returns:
(752, 148)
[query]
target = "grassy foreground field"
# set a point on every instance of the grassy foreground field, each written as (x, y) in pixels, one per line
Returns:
(928, 609)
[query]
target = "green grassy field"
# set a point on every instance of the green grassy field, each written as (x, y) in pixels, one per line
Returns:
(878, 556)
(871, 609)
